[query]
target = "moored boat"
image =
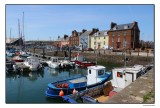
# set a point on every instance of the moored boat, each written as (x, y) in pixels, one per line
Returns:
(96, 76)
(17, 59)
(122, 77)
(59, 62)
(33, 63)
(79, 61)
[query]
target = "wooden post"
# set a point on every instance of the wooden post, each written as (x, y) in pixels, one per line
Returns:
(43, 52)
(104, 51)
(33, 50)
(147, 53)
(70, 54)
(130, 52)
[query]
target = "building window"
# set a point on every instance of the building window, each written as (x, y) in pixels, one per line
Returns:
(118, 39)
(104, 42)
(113, 45)
(113, 34)
(119, 74)
(119, 33)
(124, 33)
(112, 39)
(124, 42)
(104, 37)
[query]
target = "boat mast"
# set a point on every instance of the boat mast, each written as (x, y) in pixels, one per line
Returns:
(23, 32)
(19, 34)
(10, 36)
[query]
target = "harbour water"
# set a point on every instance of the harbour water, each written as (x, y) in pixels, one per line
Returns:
(30, 87)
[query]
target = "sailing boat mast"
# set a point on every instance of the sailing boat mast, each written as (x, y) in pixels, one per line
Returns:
(19, 33)
(10, 36)
(23, 32)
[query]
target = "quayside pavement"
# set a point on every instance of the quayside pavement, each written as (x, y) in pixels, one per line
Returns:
(140, 91)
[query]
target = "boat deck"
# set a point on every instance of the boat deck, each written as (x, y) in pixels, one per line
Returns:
(79, 80)
(102, 98)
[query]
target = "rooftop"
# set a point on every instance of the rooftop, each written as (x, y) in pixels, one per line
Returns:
(122, 26)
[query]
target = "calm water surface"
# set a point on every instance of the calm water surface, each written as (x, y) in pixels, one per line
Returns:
(30, 87)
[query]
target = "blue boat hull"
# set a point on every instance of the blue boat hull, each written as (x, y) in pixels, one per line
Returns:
(54, 92)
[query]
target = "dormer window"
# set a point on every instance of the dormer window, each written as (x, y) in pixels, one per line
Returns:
(96, 34)
(126, 27)
(115, 28)
(105, 33)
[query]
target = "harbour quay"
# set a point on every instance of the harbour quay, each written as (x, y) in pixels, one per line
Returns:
(114, 59)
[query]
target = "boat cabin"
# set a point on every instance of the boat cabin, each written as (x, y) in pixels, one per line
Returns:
(56, 59)
(32, 60)
(94, 74)
(122, 77)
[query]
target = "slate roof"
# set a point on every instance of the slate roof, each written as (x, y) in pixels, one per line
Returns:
(101, 33)
(86, 33)
(122, 26)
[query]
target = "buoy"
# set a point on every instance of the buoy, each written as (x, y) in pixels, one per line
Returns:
(61, 93)
(74, 91)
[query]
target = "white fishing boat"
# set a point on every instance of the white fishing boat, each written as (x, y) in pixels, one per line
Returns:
(59, 62)
(33, 63)
(122, 77)
(53, 63)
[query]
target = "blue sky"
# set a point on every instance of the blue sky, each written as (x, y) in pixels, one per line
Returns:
(45, 22)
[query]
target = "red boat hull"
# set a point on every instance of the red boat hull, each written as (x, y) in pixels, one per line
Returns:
(18, 60)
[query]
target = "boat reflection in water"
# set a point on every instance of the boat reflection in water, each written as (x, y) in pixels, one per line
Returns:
(29, 87)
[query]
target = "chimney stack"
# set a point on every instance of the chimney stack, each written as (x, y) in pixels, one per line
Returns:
(74, 33)
(84, 30)
(135, 23)
(113, 24)
(94, 30)
(65, 36)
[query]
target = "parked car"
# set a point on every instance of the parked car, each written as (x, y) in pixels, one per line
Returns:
(89, 49)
